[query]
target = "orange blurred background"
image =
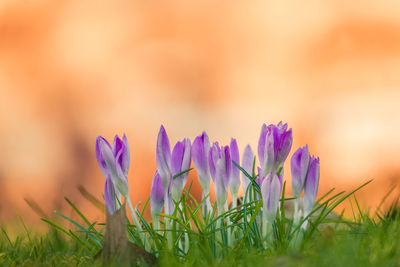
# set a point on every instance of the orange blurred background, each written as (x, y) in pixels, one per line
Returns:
(72, 70)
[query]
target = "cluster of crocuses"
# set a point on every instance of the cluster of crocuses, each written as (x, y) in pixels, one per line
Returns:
(219, 163)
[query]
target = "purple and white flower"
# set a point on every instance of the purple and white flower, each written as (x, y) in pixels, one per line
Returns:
(271, 193)
(180, 161)
(311, 185)
(274, 146)
(200, 150)
(235, 172)
(156, 195)
(114, 162)
(220, 168)
(299, 167)
(247, 165)
(163, 157)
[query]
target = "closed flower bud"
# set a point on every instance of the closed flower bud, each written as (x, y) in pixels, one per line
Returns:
(271, 192)
(180, 161)
(156, 195)
(200, 150)
(235, 173)
(247, 165)
(299, 168)
(114, 162)
(311, 185)
(163, 157)
(220, 167)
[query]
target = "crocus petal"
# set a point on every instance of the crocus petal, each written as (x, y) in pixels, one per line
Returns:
(108, 157)
(117, 145)
(121, 152)
(187, 158)
(177, 157)
(223, 171)
(221, 192)
(247, 165)
(299, 167)
(156, 195)
(100, 142)
(284, 148)
(261, 143)
(282, 126)
(311, 185)
(180, 159)
(200, 151)
(269, 151)
(235, 172)
(261, 176)
(271, 192)
(163, 157)
(110, 196)
(214, 155)
(125, 159)
(120, 180)
(277, 141)
(226, 172)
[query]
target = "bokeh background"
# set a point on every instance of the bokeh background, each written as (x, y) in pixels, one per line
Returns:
(72, 70)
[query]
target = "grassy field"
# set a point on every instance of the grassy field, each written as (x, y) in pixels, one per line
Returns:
(362, 241)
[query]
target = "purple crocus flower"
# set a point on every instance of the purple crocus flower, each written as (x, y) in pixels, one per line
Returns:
(274, 146)
(235, 173)
(200, 150)
(299, 168)
(114, 162)
(163, 157)
(213, 156)
(271, 192)
(220, 168)
(110, 196)
(311, 185)
(180, 161)
(156, 195)
(247, 165)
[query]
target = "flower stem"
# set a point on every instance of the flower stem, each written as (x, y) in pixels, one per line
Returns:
(168, 233)
(139, 227)
(228, 226)
(296, 217)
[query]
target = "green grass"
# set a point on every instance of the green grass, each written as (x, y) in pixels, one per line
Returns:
(362, 241)
(365, 243)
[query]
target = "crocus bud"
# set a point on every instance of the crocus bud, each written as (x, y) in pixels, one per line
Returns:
(156, 195)
(235, 173)
(200, 150)
(213, 156)
(163, 157)
(285, 144)
(271, 192)
(266, 154)
(180, 161)
(247, 165)
(121, 151)
(299, 167)
(311, 185)
(110, 196)
(116, 161)
(100, 142)
(220, 167)
(274, 146)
